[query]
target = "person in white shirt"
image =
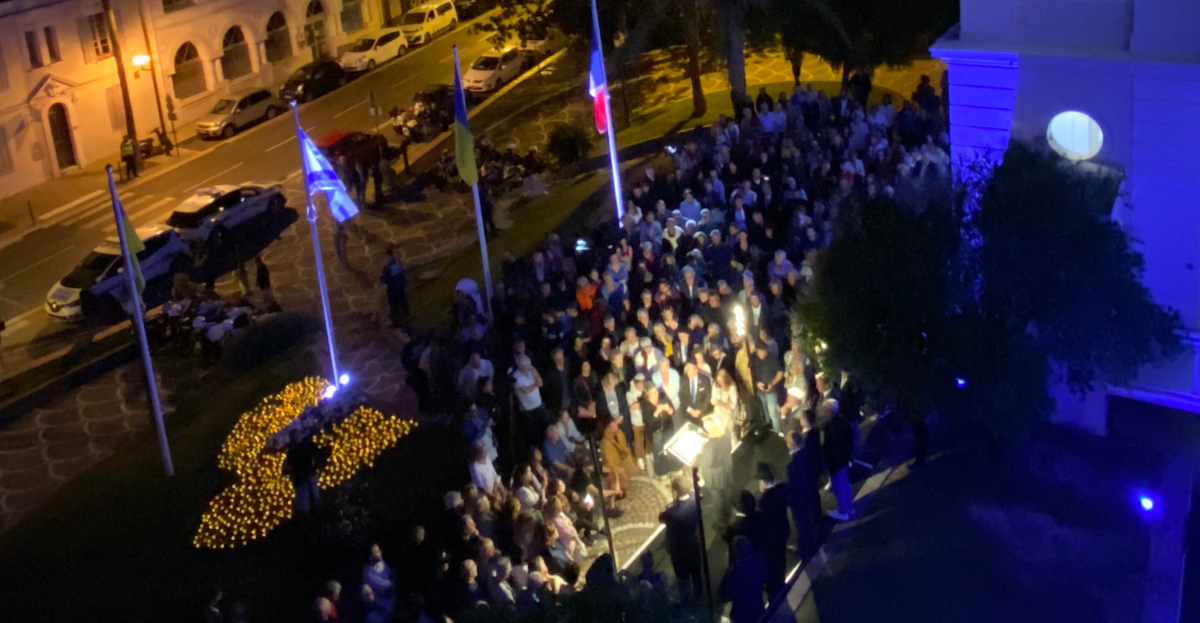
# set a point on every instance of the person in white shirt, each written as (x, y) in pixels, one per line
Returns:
(666, 379)
(638, 440)
(646, 360)
(528, 383)
(484, 476)
(468, 378)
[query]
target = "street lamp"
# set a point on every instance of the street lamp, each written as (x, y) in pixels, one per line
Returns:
(143, 62)
(686, 445)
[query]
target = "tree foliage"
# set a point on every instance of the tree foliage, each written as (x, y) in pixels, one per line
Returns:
(856, 34)
(936, 324)
(520, 21)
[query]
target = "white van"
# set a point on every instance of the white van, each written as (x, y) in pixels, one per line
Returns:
(423, 22)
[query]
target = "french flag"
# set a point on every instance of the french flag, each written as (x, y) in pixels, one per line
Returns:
(597, 83)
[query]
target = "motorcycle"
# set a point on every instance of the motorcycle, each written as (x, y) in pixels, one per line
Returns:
(148, 148)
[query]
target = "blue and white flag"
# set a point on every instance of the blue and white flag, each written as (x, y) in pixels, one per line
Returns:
(321, 177)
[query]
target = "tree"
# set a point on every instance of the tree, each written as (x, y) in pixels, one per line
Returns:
(1058, 269)
(520, 21)
(872, 32)
(936, 324)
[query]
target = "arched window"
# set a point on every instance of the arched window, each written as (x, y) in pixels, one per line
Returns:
(235, 54)
(315, 8)
(1075, 135)
(188, 79)
(279, 41)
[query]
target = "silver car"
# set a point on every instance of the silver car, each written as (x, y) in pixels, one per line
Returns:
(233, 114)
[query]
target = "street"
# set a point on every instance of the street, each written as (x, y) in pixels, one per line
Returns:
(266, 153)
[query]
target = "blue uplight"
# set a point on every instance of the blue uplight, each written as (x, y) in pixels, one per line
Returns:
(344, 380)
(330, 390)
(960, 383)
(1146, 502)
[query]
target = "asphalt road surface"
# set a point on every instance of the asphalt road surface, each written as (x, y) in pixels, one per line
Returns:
(266, 153)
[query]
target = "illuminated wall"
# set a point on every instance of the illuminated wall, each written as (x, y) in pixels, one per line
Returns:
(1134, 67)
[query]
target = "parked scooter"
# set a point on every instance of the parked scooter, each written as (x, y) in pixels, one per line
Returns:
(164, 146)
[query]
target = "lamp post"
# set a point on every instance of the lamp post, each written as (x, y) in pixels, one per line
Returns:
(143, 62)
(130, 126)
(686, 445)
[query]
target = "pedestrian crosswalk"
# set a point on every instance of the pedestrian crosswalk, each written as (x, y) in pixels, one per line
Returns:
(142, 209)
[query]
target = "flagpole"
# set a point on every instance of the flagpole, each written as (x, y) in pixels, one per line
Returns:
(316, 243)
(140, 327)
(612, 136)
(487, 268)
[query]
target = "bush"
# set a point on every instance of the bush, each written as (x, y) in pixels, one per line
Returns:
(568, 143)
(266, 338)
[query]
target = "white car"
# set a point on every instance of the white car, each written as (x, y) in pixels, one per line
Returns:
(422, 23)
(492, 71)
(211, 212)
(373, 49)
(547, 43)
(101, 273)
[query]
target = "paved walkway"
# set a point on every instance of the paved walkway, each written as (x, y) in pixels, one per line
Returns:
(44, 449)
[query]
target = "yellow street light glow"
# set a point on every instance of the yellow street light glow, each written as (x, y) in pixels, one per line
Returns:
(141, 60)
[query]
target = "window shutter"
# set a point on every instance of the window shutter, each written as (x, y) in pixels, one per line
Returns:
(3, 71)
(85, 40)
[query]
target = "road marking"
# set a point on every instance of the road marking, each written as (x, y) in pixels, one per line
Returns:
(287, 140)
(209, 179)
(402, 81)
(335, 116)
(100, 206)
(150, 208)
(38, 263)
(135, 216)
(280, 143)
(108, 217)
(67, 206)
(447, 58)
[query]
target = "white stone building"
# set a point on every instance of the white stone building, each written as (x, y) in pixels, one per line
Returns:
(1114, 82)
(60, 102)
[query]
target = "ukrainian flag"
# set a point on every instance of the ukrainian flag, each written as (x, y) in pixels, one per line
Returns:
(464, 143)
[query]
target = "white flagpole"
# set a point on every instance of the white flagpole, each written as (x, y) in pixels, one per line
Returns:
(316, 243)
(612, 136)
(140, 327)
(487, 267)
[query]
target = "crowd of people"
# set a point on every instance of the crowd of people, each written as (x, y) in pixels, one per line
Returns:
(594, 352)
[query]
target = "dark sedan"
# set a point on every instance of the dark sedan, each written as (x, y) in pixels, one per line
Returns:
(312, 81)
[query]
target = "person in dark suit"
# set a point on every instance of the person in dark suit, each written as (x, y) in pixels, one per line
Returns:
(689, 290)
(804, 496)
(773, 525)
(695, 394)
(682, 519)
(743, 583)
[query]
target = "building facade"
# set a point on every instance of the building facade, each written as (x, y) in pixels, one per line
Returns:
(1115, 83)
(61, 106)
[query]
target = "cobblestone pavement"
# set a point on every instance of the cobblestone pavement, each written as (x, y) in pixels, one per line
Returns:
(59, 440)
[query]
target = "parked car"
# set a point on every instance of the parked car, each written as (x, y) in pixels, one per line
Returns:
(422, 23)
(543, 43)
(492, 71)
(373, 49)
(312, 81)
(232, 114)
(211, 212)
(98, 280)
(469, 9)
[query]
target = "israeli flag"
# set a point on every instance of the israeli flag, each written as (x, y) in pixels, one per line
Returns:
(321, 177)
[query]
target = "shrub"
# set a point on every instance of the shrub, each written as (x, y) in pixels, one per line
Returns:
(568, 143)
